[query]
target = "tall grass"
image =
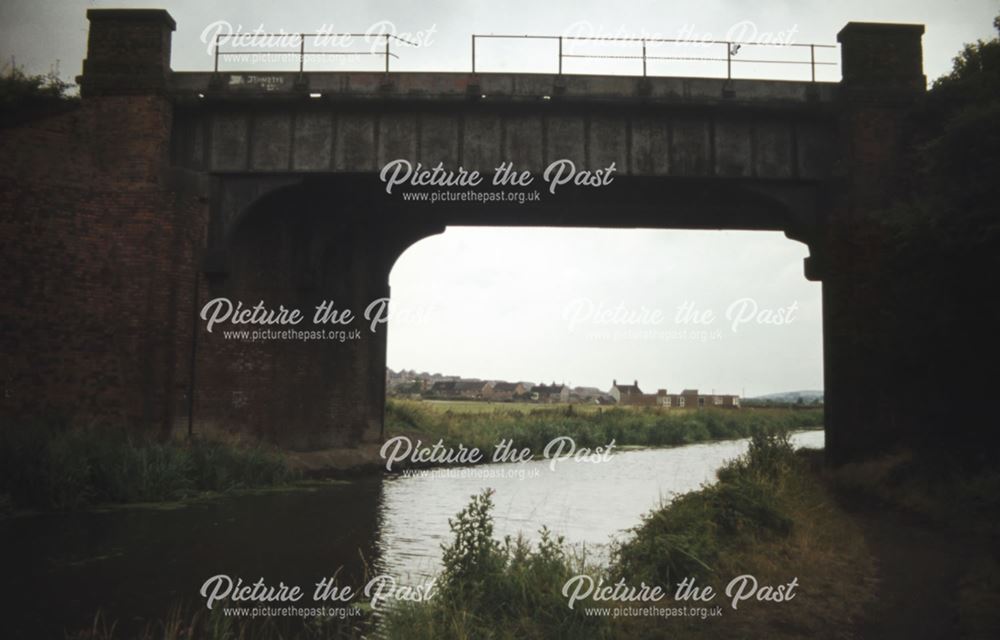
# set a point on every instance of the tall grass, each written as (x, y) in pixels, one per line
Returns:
(50, 468)
(685, 538)
(626, 426)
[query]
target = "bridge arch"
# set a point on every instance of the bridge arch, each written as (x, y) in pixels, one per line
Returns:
(816, 160)
(304, 241)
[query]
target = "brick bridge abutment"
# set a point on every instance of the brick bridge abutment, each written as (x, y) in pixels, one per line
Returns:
(165, 190)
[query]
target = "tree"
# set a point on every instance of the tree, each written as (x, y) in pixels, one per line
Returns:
(941, 255)
(24, 96)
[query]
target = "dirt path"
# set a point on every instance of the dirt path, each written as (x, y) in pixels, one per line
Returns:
(918, 572)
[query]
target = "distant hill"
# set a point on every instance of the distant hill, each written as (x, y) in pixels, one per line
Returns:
(792, 397)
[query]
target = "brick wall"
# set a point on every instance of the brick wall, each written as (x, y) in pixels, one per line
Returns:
(97, 247)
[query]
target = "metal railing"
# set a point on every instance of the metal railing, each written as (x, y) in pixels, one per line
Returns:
(732, 49)
(384, 51)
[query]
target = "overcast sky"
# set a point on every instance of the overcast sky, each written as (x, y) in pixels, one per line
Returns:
(526, 304)
(40, 32)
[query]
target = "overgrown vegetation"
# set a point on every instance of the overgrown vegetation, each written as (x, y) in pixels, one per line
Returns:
(44, 467)
(536, 427)
(939, 252)
(23, 96)
(767, 512)
(492, 589)
(51, 468)
(687, 537)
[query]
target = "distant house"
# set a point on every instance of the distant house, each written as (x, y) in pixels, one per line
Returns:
(469, 389)
(663, 399)
(726, 401)
(626, 393)
(690, 400)
(442, 390)
(550, 393)
(502, 391)
(456, 390)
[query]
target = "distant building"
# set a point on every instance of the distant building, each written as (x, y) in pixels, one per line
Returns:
(456, 390)
(663, 399)
(435, 386)
(625, 393)
(550, 393)
(502, 391)
(690, 400)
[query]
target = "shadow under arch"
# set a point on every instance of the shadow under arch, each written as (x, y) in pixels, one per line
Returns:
(308, 241)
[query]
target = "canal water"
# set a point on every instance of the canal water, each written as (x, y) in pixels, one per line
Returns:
(133, 564)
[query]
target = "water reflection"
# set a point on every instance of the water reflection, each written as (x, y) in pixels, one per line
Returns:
(134, 564)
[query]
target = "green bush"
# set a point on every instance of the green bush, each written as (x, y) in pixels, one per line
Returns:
(23, 96)
(492, 589)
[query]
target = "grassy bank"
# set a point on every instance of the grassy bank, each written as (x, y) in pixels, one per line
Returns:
(54, 469)
(773, 515)
(768, 515)
(483, 425)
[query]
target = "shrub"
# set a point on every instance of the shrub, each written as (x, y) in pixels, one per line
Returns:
(496, 589)
(24, 96)
(685, 538)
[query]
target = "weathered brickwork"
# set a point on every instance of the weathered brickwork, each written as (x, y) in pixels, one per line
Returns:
(868, 397)
(300, 248)
(99, 255)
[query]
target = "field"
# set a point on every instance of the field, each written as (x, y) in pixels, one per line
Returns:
(483, 425)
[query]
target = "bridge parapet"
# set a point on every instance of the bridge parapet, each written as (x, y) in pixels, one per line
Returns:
(355, 123)
(494, 87)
